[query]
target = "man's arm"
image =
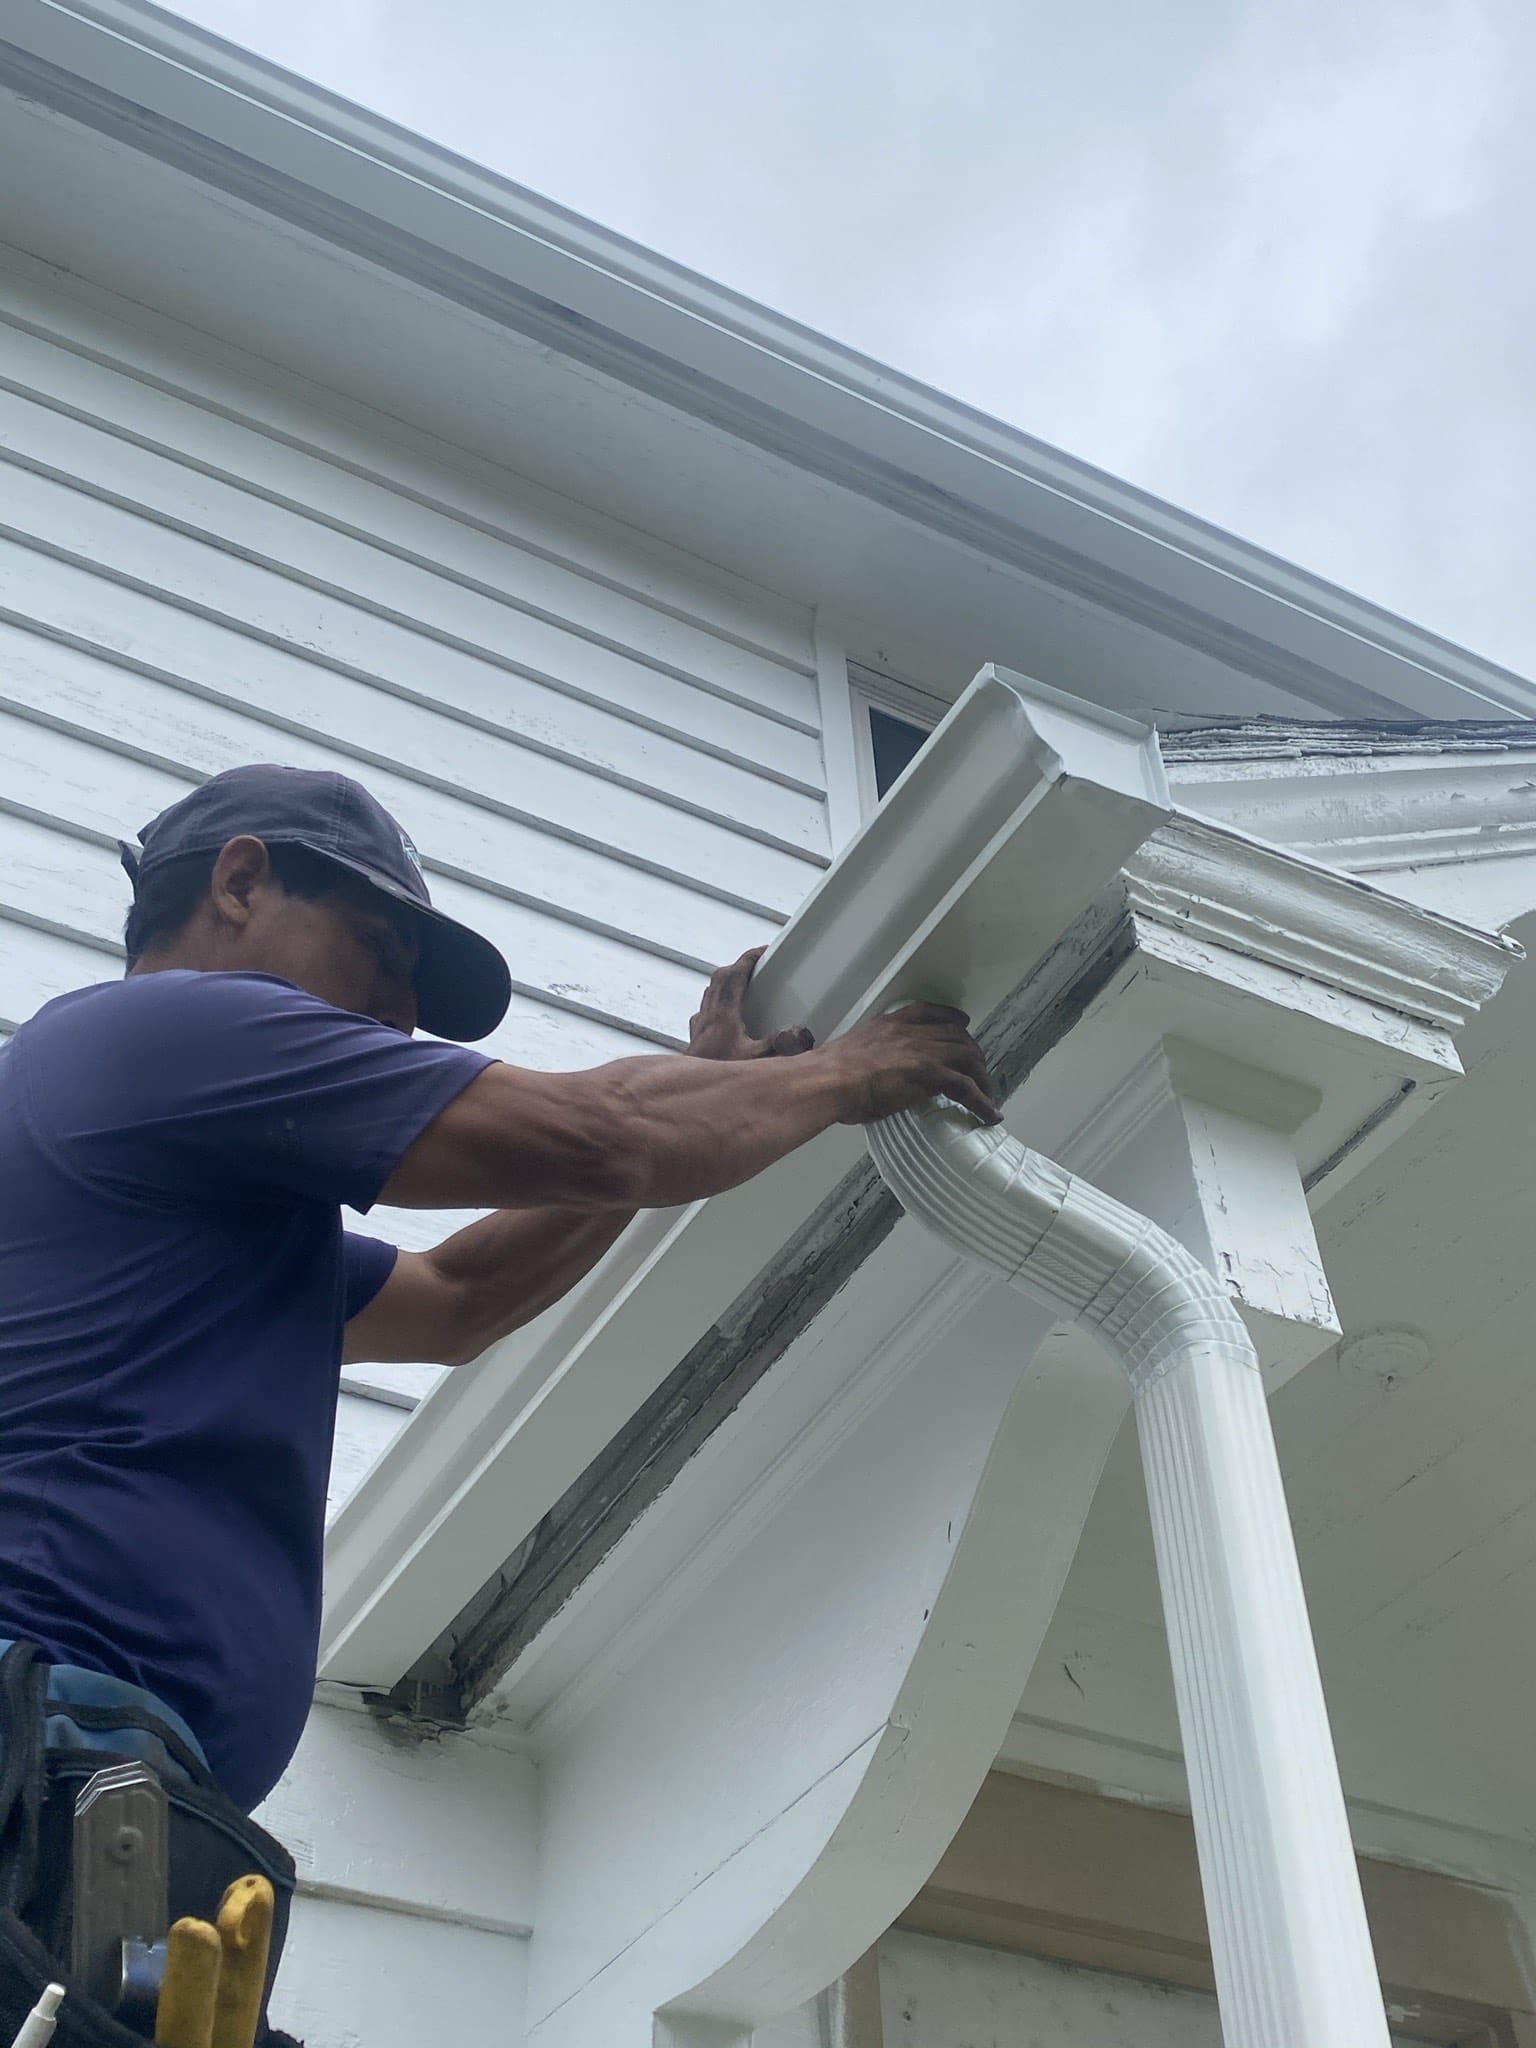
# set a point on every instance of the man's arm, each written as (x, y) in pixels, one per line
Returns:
(447, 1305)
(653, 1133)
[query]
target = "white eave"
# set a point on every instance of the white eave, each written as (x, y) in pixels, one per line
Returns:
(175, 95)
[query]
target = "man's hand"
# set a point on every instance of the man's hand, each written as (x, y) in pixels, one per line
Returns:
(717, 1031)
(904, 1060)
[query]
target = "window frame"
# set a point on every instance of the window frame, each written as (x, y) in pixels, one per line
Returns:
(870, 690)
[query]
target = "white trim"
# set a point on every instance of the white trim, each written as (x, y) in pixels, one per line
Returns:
(845, 1405)
(1373, 813)
(840, 758)
(872, 691)
(244, 127)
(1211, 884)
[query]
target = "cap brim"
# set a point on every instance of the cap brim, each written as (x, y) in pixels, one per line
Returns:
(463, 985)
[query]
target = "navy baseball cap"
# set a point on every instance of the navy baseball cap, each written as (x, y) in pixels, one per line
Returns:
(462, 983)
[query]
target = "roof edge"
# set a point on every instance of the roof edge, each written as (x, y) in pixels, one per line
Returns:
(130, 67)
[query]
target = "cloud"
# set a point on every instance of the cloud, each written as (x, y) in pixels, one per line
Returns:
(1266, 259)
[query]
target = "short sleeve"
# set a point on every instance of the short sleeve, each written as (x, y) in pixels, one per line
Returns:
(366, 1263)
(236, 1087)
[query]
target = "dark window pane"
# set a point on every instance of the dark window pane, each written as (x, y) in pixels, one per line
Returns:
(895, 741)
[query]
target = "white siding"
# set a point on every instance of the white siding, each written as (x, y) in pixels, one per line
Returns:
(612, 767)
(415, 1860)
(608, 753)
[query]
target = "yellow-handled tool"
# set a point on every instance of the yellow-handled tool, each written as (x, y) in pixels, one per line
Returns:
(189, 1988)
(245, 1934)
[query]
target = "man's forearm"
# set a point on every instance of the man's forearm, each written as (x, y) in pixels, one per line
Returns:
(694, 1130)
(509, 1267)
(662, 1131)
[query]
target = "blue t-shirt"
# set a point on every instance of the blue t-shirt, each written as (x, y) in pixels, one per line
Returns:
(174, 1278)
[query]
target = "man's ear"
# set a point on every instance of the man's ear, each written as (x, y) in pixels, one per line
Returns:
(242, 867)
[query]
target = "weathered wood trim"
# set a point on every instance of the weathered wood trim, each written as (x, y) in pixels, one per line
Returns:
(1069, 1875)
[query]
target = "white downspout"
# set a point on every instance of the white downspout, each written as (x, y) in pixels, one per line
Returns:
(1294, 1967)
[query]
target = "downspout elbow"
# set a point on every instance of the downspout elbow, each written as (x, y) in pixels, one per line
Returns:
(1055, 1237)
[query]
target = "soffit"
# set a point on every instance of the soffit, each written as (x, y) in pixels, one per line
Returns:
(149, 156)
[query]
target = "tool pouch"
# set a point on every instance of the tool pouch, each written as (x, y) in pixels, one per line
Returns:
(212, 1843)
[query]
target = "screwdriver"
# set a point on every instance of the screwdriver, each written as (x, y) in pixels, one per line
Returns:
(184, 2015)
(245, 1932)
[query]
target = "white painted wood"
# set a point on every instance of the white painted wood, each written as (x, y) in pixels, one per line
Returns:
(37, 964)
(77, 343)
(214, 580)
(355, 1978)
(1194, 1134)
(364, 1430)
(818, 1709)
(115, 629)
(437, 1823)
(79, 706)
(839, 742)
(434, 597)
(949, 1994)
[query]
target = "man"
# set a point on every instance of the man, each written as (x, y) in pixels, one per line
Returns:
(176, 1291)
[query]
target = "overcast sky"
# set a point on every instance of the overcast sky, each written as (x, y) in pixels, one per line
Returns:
(1271, 259)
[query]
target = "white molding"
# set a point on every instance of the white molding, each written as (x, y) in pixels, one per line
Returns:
(841, 767)
(1370, 813)
(872, 691)
(1209, 882)
(244, 127)
(822, 1715)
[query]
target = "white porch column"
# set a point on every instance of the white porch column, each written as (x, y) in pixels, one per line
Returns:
(1291, 1947)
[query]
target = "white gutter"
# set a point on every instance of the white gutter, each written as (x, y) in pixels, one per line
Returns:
(1292, 1950)
(238, 123)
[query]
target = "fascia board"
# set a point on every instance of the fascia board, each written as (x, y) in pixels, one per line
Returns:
(1021, 811)
(247, 127)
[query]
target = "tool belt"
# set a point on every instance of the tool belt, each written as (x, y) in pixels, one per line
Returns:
(211, 1844)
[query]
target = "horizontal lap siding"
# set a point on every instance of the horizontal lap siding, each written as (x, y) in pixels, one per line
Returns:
(619, 781)
(608, 754)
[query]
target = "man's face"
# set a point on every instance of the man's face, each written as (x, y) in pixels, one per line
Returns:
(353, 947)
